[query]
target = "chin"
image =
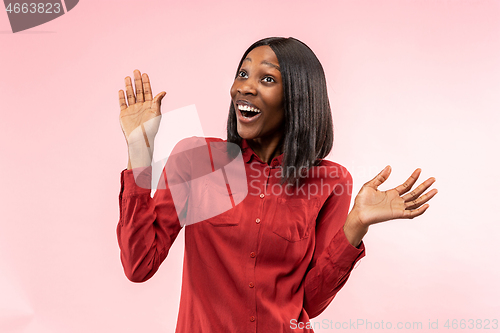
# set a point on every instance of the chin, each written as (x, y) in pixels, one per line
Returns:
(245, 134)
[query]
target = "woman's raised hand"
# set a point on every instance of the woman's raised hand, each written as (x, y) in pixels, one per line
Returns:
(139, 107)
(373, 206)
(140, 119)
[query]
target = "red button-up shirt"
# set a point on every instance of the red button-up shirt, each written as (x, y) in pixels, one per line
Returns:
(274, 261)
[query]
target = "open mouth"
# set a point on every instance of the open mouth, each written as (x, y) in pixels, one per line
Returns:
(248, 111)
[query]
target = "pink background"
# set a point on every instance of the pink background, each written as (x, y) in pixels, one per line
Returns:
(412, 84)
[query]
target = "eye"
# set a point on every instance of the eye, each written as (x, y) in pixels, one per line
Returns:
(268, 79)
(242, 74)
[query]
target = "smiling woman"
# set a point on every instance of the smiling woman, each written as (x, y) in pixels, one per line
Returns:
(257, 95)
(280, 255)
(298, 82)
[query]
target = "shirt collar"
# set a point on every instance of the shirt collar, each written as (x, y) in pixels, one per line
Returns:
(248, 153)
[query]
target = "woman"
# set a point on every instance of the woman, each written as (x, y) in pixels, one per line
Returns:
(278, 258)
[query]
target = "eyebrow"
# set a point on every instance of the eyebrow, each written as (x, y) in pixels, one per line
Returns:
(267, 63)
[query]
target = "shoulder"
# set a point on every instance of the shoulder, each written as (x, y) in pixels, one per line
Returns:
(194, 142)
(201, 139)
(214, 139)
(196, 149)
(335, 182)
(331, 170)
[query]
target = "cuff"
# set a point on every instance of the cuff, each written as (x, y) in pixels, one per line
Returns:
(343, 253)
(135, 182)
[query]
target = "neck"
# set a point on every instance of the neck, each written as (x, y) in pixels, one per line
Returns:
(266, 150)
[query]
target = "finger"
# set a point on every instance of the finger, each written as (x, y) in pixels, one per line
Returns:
(139, 89)
(121, 99)
(409, 214)
(421, 200)
(380, 178)
(148, 93)
(157, 100)
(159, 97)
(419, 190)
(407, 185)
(130, 91)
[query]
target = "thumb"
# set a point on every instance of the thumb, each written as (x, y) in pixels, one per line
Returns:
(159, 97)
(380, 178)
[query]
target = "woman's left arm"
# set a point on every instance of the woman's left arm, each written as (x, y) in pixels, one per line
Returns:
(334, 257)
(339, 235)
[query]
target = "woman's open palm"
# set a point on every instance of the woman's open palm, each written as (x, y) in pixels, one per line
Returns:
(374, 206)
(139, 107)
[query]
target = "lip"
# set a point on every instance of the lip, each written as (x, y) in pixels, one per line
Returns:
(244, 102)
(240, 116)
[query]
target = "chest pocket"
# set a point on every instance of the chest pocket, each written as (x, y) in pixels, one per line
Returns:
(295, 219)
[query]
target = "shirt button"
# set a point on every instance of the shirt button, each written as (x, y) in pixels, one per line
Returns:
(252, 254)
(257, 220)
(274, 163)
(262, 195)
(252, 318)
(251, 285)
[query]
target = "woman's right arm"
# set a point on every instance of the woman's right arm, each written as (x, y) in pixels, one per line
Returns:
(148, 226)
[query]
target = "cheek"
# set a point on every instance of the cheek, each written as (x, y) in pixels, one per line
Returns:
(280, 109)
(281, 117)
(274, 99)
(278, 97)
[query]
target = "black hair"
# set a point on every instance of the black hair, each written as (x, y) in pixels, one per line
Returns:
(308, 125)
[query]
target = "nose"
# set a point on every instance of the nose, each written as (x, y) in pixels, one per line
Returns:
(247, 87)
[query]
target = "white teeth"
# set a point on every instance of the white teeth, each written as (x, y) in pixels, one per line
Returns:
(248, 108)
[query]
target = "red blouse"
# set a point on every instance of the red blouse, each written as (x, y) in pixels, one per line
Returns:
(276, 259)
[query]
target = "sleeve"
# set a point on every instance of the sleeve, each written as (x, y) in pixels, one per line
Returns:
(147, 227)
(334, 257)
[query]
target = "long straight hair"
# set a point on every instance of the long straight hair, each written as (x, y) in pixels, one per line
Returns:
(308, 125)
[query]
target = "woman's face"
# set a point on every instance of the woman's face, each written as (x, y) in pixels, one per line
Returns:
(257, 96)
